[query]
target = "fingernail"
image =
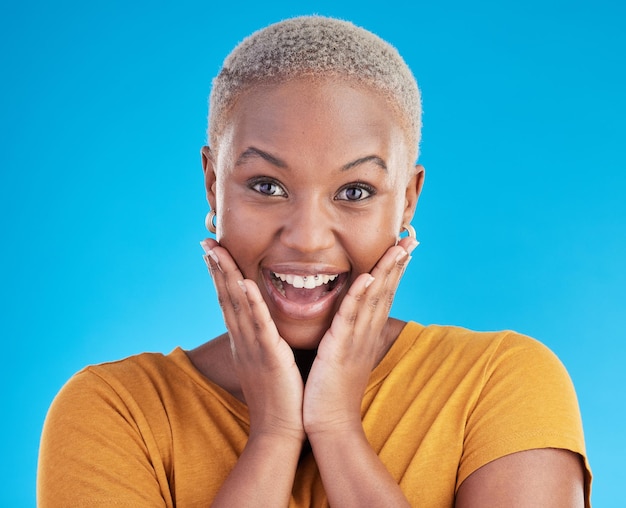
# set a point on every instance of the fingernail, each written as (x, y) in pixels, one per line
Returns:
(242, 286)
(369, 281)
(205, 246)
(411, 247)
(401, 256)
(213, 256)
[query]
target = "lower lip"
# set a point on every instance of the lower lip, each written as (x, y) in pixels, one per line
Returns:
(302, 311)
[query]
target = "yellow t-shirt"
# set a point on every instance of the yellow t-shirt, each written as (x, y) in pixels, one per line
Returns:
(150, 430)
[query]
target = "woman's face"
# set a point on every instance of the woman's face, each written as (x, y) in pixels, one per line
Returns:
(311, 182)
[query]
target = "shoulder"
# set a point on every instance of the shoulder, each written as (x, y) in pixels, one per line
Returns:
(509, 362)
(458, 349)
(520, 394)
(129, 372)
(98, 422)
(460, 337)
(502, 369)
(125, 387)
(514, 392)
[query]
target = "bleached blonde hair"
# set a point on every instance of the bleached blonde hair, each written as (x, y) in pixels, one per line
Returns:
(316, 47)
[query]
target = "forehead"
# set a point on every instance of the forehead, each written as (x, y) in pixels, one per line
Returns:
(316, 116)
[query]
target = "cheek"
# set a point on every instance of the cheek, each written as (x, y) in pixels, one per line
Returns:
(367, 247)
(243, 238)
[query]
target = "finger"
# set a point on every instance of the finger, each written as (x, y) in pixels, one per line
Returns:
(207, 246)
(378, 297)
(231, 296)
(264, 327)
(408, 243)
(388, 273)
(231, 300)
(396, 257)
(391, 265)
(365, 309)
(367, 287)
(252, 323)
(245, 312)
(261, 319)
(344, 322)
(253, 318)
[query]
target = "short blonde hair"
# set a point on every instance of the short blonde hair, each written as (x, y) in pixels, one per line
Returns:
(316, 47)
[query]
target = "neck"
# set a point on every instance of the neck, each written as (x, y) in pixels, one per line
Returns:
(304, 361)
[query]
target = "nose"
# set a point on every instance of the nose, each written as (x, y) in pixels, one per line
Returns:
(308, 227)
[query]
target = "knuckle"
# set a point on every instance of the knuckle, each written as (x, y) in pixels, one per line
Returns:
(399, 265)
(351, 317)
(221, 302)
(348, 316)
(389, 300)
(373, 301)
(236, 306)
(402, 260)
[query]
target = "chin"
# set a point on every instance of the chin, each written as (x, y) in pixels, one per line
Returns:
(302, 336)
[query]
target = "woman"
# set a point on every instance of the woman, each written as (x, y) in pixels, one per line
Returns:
(315, 396)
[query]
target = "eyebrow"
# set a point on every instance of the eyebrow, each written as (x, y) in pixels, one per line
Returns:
(252, 152)
(370, 158)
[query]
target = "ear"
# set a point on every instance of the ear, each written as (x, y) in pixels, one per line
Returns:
(413, 190)
(208, 167)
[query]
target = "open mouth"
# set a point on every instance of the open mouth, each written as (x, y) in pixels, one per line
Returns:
(304, 288)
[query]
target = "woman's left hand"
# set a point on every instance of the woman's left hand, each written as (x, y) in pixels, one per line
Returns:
(355, 342)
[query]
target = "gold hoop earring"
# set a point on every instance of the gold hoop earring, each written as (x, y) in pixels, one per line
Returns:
(410, 230)
(209, 222)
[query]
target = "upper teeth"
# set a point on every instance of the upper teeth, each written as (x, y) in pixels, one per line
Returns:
(305, 281)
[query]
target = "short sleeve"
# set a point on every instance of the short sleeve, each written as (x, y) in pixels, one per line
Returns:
(94, 451)
(527, 402)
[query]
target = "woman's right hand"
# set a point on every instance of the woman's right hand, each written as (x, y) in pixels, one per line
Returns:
(264, 363)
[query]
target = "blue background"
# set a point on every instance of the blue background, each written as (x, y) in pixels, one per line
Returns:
(522, 219)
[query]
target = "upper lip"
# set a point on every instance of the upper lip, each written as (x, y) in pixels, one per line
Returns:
(305, 269)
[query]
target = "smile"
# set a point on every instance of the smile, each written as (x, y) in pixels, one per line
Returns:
(302, 296)
(301, 281)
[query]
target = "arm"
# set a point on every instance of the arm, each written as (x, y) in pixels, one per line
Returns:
(523, 438)
(263, 475)
(541, 477)
(96, 451)
(352, 473)
(271, 385)
(359, 336)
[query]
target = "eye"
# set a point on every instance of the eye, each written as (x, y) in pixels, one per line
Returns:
(267, 187)
(356, 192)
